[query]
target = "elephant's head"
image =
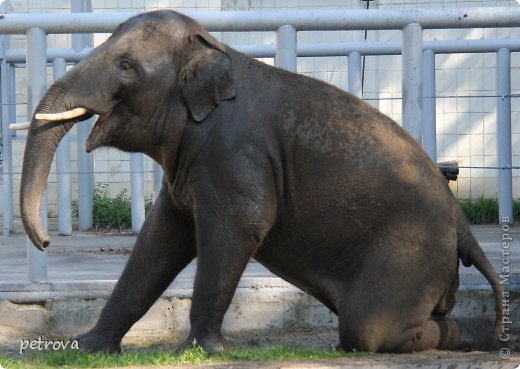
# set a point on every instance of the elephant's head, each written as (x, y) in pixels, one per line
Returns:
(157, 72)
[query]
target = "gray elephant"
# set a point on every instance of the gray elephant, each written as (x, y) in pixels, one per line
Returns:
(313, 183)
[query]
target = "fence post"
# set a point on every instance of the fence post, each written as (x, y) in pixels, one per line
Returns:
(137, 190)
(412, 80)
(286, 48)
(12, 95)
(354, 74)
(63, 168)
(157, 180)
(7, 159)
(86, 184)
(429, 105)
(36, 86)
(505, 179)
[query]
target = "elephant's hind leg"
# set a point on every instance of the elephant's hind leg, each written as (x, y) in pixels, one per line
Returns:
(386, 334)
(163, 248)
(433, 334)
(438, 331)
(401, 307)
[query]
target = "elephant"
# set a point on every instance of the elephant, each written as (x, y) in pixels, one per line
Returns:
(312, 182)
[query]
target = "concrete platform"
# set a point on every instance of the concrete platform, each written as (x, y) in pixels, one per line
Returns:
(83, 270)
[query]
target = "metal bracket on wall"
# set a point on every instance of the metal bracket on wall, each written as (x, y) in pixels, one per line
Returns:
(449, 169)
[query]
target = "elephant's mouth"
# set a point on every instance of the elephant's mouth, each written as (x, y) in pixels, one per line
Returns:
(102, 118)
(75, 115)
(95, 139)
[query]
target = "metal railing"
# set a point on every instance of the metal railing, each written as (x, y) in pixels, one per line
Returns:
(418, 78)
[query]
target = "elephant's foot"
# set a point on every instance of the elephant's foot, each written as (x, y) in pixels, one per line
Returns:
(211, 345)
(95, 341)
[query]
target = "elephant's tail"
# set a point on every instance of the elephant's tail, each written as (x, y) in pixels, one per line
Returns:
(470, 253)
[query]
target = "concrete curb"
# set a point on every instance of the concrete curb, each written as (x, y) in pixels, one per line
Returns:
(70, 307)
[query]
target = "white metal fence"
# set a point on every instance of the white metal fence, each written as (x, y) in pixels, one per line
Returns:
(418, 90)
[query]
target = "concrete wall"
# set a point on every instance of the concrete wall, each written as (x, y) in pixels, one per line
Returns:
(466, 125)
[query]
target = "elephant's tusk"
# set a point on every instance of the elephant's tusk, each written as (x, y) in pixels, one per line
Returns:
(19, 126)
(69, 114)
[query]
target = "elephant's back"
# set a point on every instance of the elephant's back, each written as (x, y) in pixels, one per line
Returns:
(341, 156)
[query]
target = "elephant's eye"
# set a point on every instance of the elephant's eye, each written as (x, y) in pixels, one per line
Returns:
(125, 65)
(126, 68)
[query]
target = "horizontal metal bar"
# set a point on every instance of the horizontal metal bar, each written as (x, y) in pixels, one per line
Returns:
(395, 47)
(471, 46)
(319, 49)
(70, 55)
(302, 20)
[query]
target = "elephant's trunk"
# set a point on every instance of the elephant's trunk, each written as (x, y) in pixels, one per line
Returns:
(42, 140)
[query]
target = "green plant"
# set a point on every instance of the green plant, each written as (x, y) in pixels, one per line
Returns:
(485, 210)
(516, 209)
(480, 210)
(110, 211)
(148, 204)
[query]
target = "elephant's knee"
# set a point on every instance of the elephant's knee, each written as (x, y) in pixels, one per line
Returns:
(359, 336)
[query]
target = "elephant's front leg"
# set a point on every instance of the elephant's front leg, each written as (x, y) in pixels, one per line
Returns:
(163, 248)
(228, 234)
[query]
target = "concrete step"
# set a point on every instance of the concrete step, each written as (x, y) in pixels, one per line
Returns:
(67, 308)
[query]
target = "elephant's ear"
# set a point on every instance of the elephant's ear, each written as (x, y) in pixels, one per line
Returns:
(206, 79)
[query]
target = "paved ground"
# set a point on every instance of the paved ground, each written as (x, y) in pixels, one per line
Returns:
(83, 257)
(90, 257)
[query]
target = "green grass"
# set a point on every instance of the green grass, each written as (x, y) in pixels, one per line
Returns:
(481, 210)
(70, 359)
(485, 210)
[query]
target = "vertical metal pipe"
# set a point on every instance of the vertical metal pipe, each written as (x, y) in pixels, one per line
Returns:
(86, 184)
(7, 159)
(12, 98)
(137, 189)
(12, 118)
(286, 48)
(157, 180)
(505, 179)
(85, 174)
(63, 168)
(36, 87)
(81, 40)
(355, 74)
(429, 105)
(412, 80)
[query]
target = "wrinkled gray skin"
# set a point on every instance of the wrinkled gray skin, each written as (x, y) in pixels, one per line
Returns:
(313, 183)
